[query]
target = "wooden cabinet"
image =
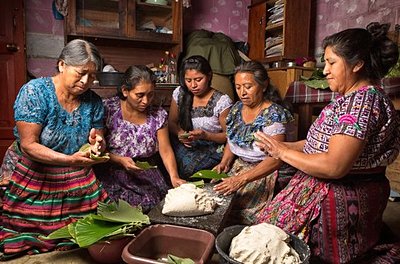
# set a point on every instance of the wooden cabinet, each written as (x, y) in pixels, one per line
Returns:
(94, 17)
(294, 29)
(127, 32)
(12, 66)
(281, 78)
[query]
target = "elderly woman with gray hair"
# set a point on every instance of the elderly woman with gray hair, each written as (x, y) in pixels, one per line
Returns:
(48, 182)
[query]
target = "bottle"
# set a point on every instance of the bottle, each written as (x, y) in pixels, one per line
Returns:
(167, 66)
(172, 68)
(162, 70)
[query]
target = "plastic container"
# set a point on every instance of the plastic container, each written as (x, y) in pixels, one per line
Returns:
(109, 251)
(157, 241)
(223, 243)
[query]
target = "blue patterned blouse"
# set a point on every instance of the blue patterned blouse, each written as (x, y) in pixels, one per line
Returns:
(61, 131)
(272, 121)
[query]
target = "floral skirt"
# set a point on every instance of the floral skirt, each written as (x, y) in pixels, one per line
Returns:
(145, 188)
(40, 199)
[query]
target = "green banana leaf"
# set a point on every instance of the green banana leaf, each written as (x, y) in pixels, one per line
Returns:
(71, 229)
(209, 174)
(198, 184)
(90, 230)
(60, 233)
(316, 80)
(319, 84)
(111, 220)
(144, 165)
(177, 260)
(395, 70)
(85, 147)
(184, 135)
(102, 156)
(121, 212)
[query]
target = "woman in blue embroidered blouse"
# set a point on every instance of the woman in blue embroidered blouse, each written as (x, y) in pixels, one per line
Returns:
(336, 199)
(48, 181)
(253, 173)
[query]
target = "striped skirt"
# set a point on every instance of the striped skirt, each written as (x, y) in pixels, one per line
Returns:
(251, 199)
(40, 199)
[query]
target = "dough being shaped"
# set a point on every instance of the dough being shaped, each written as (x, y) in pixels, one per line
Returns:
(263, 244)
(188, 200)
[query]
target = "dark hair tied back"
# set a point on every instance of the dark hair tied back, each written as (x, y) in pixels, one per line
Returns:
(378, 31)
(133, 76)
(261, 77)
(370, 45)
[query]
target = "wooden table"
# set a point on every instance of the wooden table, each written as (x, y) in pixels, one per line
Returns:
(309, 101)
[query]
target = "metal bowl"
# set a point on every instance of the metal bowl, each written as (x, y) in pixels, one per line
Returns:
(110, 78)
(223, 243)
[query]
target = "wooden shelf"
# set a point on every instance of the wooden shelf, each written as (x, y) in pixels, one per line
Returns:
(275, 26)
(153, 7)
(294, 29)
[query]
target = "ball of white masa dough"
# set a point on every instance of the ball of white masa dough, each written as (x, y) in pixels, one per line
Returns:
(188, 200)
(263, 244)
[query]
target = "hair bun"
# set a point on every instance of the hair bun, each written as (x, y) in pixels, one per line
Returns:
(378, 31)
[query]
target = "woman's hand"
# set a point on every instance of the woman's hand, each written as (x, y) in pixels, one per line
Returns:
(97, 143)
(183, 137)
(128, 164)
(176, 181)
(83, 159)
(197, 134)
(269, 145)
(230, 185)
(222, 167)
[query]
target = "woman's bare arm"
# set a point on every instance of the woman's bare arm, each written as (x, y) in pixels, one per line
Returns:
(168, 156)
(342, 152)
(29, 143)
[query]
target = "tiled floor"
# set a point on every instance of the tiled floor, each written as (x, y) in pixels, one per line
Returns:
(80, 256)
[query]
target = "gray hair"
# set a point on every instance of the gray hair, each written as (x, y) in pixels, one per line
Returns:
(78, 52)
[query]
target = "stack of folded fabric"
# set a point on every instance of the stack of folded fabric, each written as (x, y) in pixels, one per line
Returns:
(274, 44)
(276, 13)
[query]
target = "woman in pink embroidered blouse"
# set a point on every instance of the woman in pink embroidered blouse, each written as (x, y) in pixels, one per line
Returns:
(336, 200)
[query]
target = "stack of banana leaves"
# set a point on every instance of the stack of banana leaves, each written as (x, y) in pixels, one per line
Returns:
(112, 221)
(317, 80)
